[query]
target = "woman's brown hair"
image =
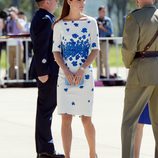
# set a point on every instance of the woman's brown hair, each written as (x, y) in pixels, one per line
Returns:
(65, 11)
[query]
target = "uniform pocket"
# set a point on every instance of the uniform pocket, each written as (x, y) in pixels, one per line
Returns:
(133, 77)
(148, 72)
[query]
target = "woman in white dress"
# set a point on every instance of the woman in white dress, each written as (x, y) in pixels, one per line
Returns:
(75, 46)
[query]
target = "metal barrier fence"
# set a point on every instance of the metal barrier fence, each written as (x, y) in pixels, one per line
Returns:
(4, 71)
(116, 43)
(5, 77)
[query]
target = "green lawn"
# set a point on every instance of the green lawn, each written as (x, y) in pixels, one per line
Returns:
(115, 59)
(3, 59)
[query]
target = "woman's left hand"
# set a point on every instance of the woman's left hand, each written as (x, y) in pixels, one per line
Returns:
(78, 76)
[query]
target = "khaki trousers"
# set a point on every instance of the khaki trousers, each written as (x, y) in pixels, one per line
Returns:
(136, 98)
(13, 62)
(104, 59)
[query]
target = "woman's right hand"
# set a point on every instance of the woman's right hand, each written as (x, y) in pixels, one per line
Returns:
(70, 76)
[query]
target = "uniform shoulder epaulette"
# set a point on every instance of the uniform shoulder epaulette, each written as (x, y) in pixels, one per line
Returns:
(131, 14)
(135, 10)
(48, 17)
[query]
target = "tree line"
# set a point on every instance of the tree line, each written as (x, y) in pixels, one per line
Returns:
(119, 8)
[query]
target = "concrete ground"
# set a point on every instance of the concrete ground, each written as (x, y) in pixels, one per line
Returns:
(17, 118)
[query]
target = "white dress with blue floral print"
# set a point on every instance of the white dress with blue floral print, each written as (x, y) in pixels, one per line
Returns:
(75, 40)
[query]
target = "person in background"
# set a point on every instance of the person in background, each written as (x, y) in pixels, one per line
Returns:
(2, 26)
(22, 15)
(105, 30)
(15, 26)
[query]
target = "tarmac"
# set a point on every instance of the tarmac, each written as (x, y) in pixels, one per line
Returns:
(17, 121)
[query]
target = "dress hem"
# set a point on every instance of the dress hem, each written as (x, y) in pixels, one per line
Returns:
(61, 113)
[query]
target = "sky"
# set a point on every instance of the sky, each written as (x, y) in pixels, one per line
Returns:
(92, 6)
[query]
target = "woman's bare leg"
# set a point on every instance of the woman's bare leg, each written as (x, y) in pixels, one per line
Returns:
(90, 135)
(66, 134)
(138, 140)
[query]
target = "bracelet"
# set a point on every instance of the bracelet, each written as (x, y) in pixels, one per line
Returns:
(82, 68)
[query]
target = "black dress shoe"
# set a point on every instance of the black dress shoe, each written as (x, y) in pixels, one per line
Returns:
(45, 155)
(102, 77)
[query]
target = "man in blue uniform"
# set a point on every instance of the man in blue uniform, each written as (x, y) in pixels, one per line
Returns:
(105, 30)
(45, 70)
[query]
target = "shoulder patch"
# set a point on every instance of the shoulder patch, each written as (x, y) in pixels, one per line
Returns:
(48, 17)
(128, 17)
(136, 10)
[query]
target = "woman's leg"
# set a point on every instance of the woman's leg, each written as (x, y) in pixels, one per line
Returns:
(138, 140)
(66, 134)
(90, 135)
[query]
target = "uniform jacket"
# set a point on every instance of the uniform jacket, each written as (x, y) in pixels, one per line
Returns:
(43, 62)
(140, 27)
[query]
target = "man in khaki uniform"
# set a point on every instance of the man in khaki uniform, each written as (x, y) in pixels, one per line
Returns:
(140, 56)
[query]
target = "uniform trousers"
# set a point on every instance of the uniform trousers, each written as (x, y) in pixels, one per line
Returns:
(136, 98)
(46, 104)
(103, 59)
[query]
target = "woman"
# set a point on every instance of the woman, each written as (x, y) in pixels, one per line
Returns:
(144, 119)
(76, 45)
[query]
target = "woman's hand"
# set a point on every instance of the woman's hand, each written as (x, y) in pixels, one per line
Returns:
(78, 76)
(69, 76)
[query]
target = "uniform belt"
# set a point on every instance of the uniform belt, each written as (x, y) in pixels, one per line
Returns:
(147, 54)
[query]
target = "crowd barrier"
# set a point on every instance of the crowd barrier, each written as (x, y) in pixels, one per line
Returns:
(4, 71)
(116, 74)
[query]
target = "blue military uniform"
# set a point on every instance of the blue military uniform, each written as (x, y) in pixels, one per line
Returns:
(43, 64)
(42, 38)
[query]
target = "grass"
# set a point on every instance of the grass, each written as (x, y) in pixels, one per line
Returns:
(115, 60)
(3, 59)
(115, 57)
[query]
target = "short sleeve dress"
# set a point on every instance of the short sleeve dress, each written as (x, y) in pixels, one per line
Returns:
(75, 40)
